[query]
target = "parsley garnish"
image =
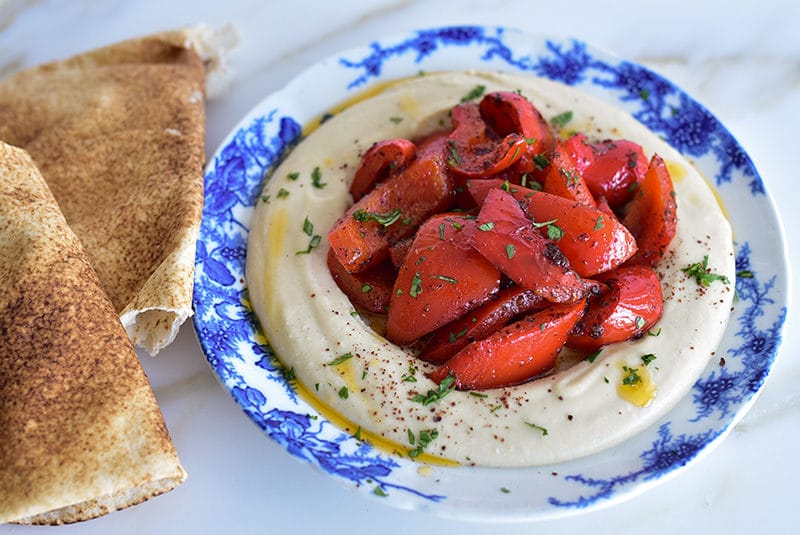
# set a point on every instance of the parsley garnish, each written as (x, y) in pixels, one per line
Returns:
(341, 358)
(647, 359)
(598, 224)
(441, 231)
(293, 176)
(410, 377)
(455, 336)
(316, 178)
(365, 288)
(561, 120)
(396, 120)
(699, 270)
(426, 436)
(644, 94)
(571, 176)
(386, 219)
(504, 490)
(745, 274)
(445, 278)
(380, 492)
(344, 393)
(554, 232)
(651, 333)
(308, 227)
(510, 250)
(454, 158)
(640, 322)
(486, 227)
(312, 244)
(431, 396)
(478, 394)
(538, 428)
(541, 161)
(591, 357)
(632, 376)
(474, 93)
(265, 198)
(416, 285)
(282, 193)
(289, 374)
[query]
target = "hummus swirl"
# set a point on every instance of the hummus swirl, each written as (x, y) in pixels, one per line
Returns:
(580, 409)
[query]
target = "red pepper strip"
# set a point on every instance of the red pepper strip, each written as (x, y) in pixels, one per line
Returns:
(616, 170)
(370, 289)
(399, 250)
(382, 160)
(631, 304)
(421, 189)
(580, 150)
(592, 241)
(652, 214)
(441, 278)
(480, 323)
(510, 113)
(508, 239)
(474, 150)
(515, 354)
(563, 178)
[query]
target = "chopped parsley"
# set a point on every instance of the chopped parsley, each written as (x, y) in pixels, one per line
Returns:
(316, 178)
(380, 492)
(598, 224)
(341, 358)
(282, 193)
(445, 278)
(644, 94)
(455, 336)
(455, 158)
(647, 359)
(396, 120)
(289, 374)
(312, 244)
(640, 322)
(571, 176)
(510, 250)
(474, 93)
(478, 394)
(416, 285)
(265, 198)
(651, 333)
(386, 219)
(293, 176)
(539, 428)
(425, 437)
(441, 231)
(745, 274)
(344, 393)
(541, 162)
(486, 227)
(410, 377)
(366, 288)
(431, 396)
(554, 232)
(591, 357)
(701, 274)
(632, 376)
(308, 227)
(504, 490)
(561, 120)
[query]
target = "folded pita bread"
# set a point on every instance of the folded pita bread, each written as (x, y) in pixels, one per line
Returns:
(80, 432)
(118, 133)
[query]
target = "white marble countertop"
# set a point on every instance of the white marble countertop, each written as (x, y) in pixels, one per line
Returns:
(741, 61)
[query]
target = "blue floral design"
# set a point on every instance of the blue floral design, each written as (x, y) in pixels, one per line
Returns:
(721, 392)
(232, 341)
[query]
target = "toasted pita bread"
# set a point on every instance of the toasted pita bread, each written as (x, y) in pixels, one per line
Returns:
(118, 133)
(80, 432)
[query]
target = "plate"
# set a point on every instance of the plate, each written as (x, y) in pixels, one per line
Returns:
(244, 363)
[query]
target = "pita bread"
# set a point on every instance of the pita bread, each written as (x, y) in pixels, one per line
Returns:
(118, 133)
(80, 432)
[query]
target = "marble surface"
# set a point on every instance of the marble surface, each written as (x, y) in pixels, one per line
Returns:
(742, 62)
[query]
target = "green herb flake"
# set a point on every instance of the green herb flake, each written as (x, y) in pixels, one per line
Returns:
(554, 232)
(380, 492)
(506, 186)
(539, 428)
(431, 396)
(541, 162)
(293, 176)
(441, 231)
(455, 159)
(357, 434)
(410, 377)
(631, 376)
(605, 379)
(640, 322)
(647, 359)
(571, 176)
(591, 357)
(455, 336)
(425, 437)
(478, 394)
(344, 393)
(385, 219)
(265, 198)
(598, 224)
(504, 490)
(308, 227)
(396, 120)
(312, 244)
(651, 333)
(510, 250)
(366, 288)
(475, 92)
(486, 227)
(282, 193)
(745, 274)
(644, 94)
(416, 285)
(316, 178)
(289, 374)
(701, 274)
(561, 120)
(445, 278)
(341, 358)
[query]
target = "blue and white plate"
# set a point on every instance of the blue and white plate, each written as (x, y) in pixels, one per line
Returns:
(238, 354)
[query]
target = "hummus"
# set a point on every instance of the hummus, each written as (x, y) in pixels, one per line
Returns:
(577, 411)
